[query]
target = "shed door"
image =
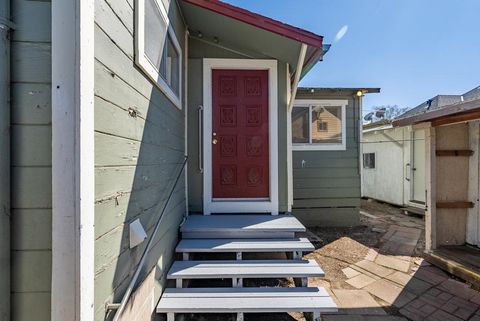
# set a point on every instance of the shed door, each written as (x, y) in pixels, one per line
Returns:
(240, 142)
(418, 167)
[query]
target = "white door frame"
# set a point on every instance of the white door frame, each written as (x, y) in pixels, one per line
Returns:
(250, 205)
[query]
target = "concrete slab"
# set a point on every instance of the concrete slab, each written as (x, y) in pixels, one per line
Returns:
(412, 284)
(350, 273)
(390, 293)
(392, 262)
(374, 268)
(360, 281)
(357, 302)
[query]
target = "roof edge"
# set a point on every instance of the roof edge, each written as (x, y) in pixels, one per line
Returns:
(260, 21)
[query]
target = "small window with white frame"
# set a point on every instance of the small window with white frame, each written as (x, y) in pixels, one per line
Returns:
(157, 50)
(319, 125)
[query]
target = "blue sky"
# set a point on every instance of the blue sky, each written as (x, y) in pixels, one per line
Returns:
(412, 49)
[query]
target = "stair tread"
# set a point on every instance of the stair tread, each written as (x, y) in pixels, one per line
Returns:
(272, 223)
(244, 245)
(244, 269)
(249, 300)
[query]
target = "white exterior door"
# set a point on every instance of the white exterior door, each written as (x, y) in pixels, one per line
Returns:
(473, 222)
(418, 167)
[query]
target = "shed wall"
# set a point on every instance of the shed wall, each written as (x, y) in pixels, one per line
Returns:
(385, 182)
(31, 160)
(326, 184)
(139, 148)
(198, 51)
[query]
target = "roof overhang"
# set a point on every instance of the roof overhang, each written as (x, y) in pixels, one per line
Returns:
(459, 112)
(334, 90)
(251, 34)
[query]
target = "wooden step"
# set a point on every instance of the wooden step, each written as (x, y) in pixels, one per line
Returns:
(241, 226)
(244, 269)
(296, 245)
(246, 300)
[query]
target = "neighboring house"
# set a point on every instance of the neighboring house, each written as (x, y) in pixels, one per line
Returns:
(394, 159)
(326, 134)
(452, 147)
(108, 98)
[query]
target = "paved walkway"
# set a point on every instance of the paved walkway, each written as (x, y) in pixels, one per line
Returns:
(392, 283)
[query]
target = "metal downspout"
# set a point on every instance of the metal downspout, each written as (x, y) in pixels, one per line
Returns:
(5, 26)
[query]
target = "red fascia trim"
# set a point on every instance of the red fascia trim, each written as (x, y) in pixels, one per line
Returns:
(260, 21)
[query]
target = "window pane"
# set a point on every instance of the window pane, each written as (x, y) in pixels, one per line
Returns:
(369, 160)
(170, 67)
(300, 125)
(326, 125)
(155, 32)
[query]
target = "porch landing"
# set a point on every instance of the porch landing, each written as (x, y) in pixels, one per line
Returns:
(241, 226)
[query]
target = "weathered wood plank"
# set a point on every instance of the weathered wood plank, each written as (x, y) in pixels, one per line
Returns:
(31, 62)
(330, 173)
(32, 21)
(461, 152)
(115, 90)
(32, 145)
(327, 202)
(319, 183)
(123, 11)
(117, 63)
(113, 181)
(457, 204)
(31, 187)
(118, 238)
(106, 19)
(128, 123)
(31, 104)
(326, 192)
(31, 229)
(115, 151)
(312, 217)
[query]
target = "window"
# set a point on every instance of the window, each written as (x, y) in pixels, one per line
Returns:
(319, 125)
(158, 51)
(369, 160)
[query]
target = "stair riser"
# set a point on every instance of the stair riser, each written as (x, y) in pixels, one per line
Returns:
(238, 235)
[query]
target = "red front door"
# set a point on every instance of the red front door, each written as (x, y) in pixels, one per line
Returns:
(240, 134)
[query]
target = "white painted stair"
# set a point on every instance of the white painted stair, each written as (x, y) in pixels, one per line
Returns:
(238, 270)
(243, 234)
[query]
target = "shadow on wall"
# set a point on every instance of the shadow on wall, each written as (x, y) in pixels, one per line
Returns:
(139, 152)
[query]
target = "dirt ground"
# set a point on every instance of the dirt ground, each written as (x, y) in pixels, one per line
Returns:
(338, 249)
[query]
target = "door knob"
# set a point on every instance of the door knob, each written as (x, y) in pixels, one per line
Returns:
(214, 141)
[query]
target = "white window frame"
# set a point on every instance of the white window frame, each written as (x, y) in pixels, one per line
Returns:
(322, 146)
(142, 60)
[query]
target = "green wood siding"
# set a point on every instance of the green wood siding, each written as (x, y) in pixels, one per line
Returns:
(197, 51)
(326, 188)
(139, 146)
(31, 161)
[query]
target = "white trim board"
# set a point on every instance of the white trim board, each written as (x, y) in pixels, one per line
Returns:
(73, 160)
(246, 206)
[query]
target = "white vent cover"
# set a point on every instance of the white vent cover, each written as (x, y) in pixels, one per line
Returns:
(137, 233)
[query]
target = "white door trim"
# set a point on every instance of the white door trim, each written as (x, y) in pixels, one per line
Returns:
(245, 206)
(73, 177)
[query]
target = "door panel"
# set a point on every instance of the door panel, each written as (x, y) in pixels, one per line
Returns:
(240, 136)
(418, 166)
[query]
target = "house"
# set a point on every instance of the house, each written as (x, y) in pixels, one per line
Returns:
(394, 159)
(452, 138)
(128, 115)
